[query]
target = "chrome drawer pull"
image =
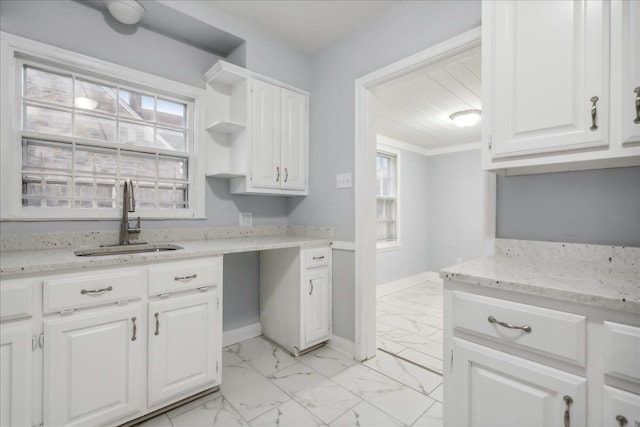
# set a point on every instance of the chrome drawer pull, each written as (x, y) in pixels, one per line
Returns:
(315, 258)
(622, 420)
(594, 113)
(157, 324)
(567, 417)
(96, 291)
(135, 329)
(525, 328)
(193, 276)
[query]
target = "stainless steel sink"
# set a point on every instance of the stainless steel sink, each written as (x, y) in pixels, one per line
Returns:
(127, 249)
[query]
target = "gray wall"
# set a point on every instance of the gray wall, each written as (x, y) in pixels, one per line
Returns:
(411, 258)
(455, 185)
(241, 299)
(596, 207)
(403, 29)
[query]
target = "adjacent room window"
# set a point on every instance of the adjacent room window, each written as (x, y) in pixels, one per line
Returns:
(79, 135)
(387, 203)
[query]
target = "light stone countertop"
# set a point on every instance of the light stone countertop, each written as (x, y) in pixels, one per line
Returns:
(596, 275)
(33, 261)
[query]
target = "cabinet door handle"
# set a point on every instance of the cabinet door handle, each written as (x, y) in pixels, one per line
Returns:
(311, 288)
(637, 119)
(567, 417)
(96, 291)
(182, 278)
(525, 328)
(594, 113)
(621, 419)
(157, 315)
(286, 174)
(277, 173)
(315, 258)
(135, 329)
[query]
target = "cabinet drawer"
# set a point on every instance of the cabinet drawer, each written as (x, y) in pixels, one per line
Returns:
(89, 289)
(316, 257)
(183, 275)
(622, 351)
(553, 333)
(15, 299)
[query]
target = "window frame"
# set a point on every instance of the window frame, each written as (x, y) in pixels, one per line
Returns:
(391, 245)
(16, 51)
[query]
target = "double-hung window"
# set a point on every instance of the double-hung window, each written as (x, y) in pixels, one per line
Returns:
(78, 133)
(387, 203)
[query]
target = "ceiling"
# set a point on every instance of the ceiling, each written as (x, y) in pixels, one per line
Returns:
(311, 25)
(415, 108)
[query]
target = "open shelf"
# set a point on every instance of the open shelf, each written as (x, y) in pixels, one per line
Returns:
(225, 174)
(225, 127)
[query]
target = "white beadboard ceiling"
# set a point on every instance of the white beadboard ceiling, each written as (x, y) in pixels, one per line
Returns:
(415, 108)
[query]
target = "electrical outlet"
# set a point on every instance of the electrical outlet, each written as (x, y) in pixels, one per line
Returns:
(343, 180)
(458, 261)
(245, 219)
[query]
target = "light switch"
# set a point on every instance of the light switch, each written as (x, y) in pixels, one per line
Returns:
(343, 180)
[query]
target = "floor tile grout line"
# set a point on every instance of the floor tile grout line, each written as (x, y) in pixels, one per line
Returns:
(410, 361)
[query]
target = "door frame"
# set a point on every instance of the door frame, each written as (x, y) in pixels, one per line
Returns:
(365, 192)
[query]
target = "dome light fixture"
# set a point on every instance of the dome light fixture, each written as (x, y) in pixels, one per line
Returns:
(465, 118)
(126, 11)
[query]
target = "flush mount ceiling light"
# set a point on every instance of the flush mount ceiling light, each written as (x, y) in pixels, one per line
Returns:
(465, 118)
(126, 11)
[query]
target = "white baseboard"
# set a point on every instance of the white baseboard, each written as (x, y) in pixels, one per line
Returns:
(406, 282)
(342, 345)
(240, 334)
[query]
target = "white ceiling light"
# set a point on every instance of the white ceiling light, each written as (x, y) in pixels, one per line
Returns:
(126, 11)
(465, 118)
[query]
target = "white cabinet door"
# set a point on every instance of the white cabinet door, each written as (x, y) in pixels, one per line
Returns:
(625, 71)
(92, 366)
(497, 389)
(548, 59)
(294, 135)
(15, 374)
(316, 307)
(184, 344)
(620, 408)
(265, 128)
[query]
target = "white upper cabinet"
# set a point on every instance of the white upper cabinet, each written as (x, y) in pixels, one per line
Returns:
(548, 99)
(257, 132)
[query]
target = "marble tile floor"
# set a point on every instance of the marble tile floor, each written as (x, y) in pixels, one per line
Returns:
(264, 386)
(409, 324)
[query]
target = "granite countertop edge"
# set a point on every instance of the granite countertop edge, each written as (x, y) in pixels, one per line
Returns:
(17, 263)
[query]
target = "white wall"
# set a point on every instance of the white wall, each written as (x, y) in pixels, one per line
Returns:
(405, 28)
(411, 257)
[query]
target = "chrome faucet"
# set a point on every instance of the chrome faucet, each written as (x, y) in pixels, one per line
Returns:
(128, 205)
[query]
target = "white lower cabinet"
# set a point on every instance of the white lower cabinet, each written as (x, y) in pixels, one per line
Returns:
(15, 371)
(93, 364)
(505, 390)
(295, 296)
(621, 408)
(184, 346)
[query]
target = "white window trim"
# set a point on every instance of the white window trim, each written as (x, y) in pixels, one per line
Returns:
(393, 245)
(10, 149)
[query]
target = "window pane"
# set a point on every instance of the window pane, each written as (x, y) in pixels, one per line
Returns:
(45, 191)
(136, 134)
(95, 127)
(46, 86)
(145, 194)
(136, 105)
(137, 164)
(91, 193)
(172, 196)
(171, 140)
(39, 119)
(172, 113)
(172, 167)
(94, 96)
(46, 155)
(96, 160)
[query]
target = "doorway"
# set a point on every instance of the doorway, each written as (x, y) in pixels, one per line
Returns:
(366, 143)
